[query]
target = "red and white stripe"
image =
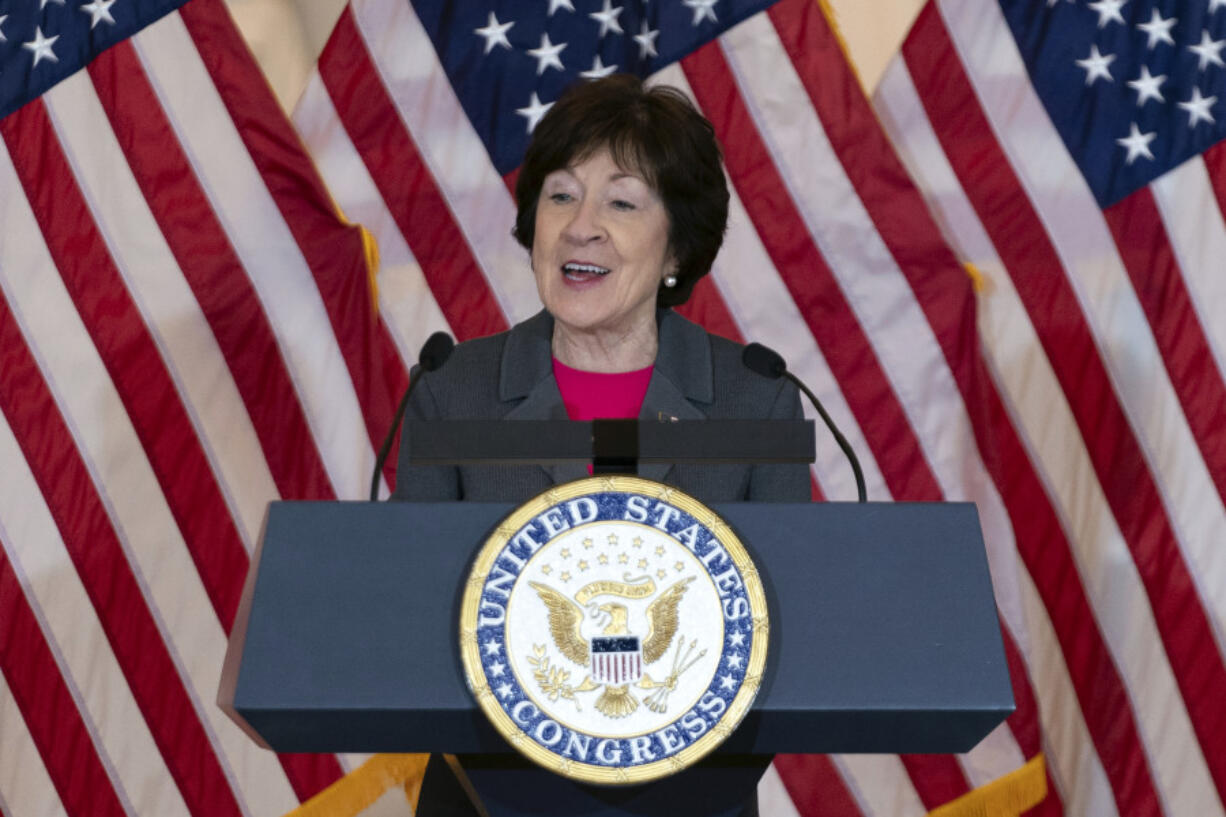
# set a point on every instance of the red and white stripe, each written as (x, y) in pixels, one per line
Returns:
(170, 272)
(616, 667)
(1112, 393)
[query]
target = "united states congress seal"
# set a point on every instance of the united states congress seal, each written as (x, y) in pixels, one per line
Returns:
(614, 630)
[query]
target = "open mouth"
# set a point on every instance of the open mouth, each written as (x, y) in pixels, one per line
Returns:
(583, 272)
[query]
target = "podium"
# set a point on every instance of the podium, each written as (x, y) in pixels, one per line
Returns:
(884, 635)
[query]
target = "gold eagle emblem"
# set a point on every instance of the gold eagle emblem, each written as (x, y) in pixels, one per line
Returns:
(566, 618)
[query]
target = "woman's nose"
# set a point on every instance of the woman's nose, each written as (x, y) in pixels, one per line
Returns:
(584, 227)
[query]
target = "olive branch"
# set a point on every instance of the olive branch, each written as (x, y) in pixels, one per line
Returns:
(553, 680)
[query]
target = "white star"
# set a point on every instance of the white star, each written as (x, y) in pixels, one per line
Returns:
(554, 5)
(1146, 86)
(1159, 30)
(41, 46)
(737, 638)
(504, 691)
(1137, 144)
(727, 682)
(646, 38)
(734, 661)
(547, 55)
(492, 648)
(1214, 4)
(533, 112)
(1198, 108)
(3, 17)
(495, 33)
(1096, 64)
(607, 17)
(42, 4)
(1208, 49)
(702, 8)
(1108, 11)
(598, 70)
(99, 11)
(497, 668)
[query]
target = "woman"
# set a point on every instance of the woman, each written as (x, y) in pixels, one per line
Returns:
(622, 205)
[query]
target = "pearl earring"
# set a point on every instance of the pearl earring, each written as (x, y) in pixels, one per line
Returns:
(670, 280)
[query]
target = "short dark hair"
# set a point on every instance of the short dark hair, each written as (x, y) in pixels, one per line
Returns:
(655, 132)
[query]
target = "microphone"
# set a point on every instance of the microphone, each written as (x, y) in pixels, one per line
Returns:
(434, 353)
(769, 363)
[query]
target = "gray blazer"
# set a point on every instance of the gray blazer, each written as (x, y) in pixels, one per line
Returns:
(509, 376)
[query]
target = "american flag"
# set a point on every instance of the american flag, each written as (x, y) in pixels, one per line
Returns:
(1132, 87)
(39, 46)
(186, 333)
(1101, 323)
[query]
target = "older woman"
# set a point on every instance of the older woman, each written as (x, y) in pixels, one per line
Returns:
(622, 205)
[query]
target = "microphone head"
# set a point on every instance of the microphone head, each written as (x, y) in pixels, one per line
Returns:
(763, 360)
(435, 351)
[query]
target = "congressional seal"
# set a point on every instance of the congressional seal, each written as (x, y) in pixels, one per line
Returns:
(614, 630)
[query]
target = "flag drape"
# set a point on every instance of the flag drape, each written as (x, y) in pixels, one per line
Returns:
(166, 248)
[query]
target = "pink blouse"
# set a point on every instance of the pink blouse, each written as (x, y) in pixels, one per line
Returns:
(591, 395)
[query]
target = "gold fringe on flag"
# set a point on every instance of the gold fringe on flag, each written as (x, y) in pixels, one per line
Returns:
(1006, 796)
(978, 280)
(370, 248)
(366, 784)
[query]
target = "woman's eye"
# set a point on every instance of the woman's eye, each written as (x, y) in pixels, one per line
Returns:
(560, 198)
(622, 204)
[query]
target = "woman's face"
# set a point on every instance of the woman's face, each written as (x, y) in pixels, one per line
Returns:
(601, 246)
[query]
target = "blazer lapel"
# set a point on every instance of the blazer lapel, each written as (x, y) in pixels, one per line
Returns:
(664, 403)
(527, 375)
(544, 402)
(681, 382)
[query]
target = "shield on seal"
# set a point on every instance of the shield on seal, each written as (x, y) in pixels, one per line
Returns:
(616, 659)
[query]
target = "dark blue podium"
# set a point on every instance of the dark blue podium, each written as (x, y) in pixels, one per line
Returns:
(884, 638)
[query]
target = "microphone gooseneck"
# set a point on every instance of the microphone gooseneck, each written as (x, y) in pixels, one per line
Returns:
(769, 363)
(434, 353)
